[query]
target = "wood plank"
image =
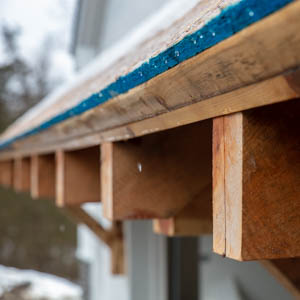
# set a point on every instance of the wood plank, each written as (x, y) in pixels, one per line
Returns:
(287, 272)
(113, 237)
(157, 175)
(43, 176)
(268, 48)
(261, 215)
(21, 170)
(6, 173)
(78, 176)
(193, 220)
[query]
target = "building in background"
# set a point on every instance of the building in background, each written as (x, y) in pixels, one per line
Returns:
(158, 268)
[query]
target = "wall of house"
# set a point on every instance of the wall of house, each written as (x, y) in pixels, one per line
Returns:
(226, 279)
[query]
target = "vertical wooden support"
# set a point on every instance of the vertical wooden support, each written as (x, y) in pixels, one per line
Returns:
(256, 183)
(78, 176)
(287, 272)
(157, 175)
(113, 237)
(6, 173)
(21, 172)
(194, 219)
(43, 176)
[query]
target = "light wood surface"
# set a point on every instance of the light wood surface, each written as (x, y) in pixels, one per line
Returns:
(78, 176)
(257, 205)
(157, 175)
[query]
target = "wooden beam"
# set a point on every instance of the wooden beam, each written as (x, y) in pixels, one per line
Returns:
(156, 176)
(43, 176)
(193, 220)
(221, 80)
(78, 176)
(256, 171)
(278, 89)
(287, 272)
(6, 173)
(113, 237)
(21, 172)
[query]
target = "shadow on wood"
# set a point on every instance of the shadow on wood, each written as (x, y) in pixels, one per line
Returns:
(78, 176)
(21, 177)
(43, 176)
(194, 219)
(6, 173)
(157, 175)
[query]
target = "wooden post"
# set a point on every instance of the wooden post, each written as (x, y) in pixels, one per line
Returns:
(6, 173)
(113, 237)
(256, 183)
(22, 176)
(43, 176)
(157, 175)
(194, 219)
(78, 176)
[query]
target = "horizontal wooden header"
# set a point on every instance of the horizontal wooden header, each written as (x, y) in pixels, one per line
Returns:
(214, 82)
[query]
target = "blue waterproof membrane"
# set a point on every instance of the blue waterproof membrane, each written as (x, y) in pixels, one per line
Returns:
(231, 20)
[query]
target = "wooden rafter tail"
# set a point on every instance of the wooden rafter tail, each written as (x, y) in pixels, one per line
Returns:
(22, 176)
(157, 175)
(193, 220)
(6, 173)
(256, 171)
(113, 237)
(78, 176)
(287, 272)
(43, 176)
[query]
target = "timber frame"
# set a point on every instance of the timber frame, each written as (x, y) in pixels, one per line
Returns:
(146, 153)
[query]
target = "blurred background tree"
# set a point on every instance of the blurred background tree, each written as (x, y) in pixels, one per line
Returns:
(33, 234)
(22, 85)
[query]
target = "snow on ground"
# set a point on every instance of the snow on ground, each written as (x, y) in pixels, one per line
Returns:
(42, 284)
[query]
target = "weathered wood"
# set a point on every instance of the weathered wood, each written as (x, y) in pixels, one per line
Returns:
(156, 176)
(21, 170)
(43, 176)
(194, 219)
(287, 272)
(268, 48)
(6, 173)
(256, 163)
(78, 176)
(113, 237)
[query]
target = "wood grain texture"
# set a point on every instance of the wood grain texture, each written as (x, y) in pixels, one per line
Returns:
(261, 184)
(21, 170)
(287, 272)
(193, 220)
(78, 176)
(43, 176)
(157, 175)
(6, 173)
(263, 50)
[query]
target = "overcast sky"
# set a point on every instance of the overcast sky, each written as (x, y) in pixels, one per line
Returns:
(39, 20)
